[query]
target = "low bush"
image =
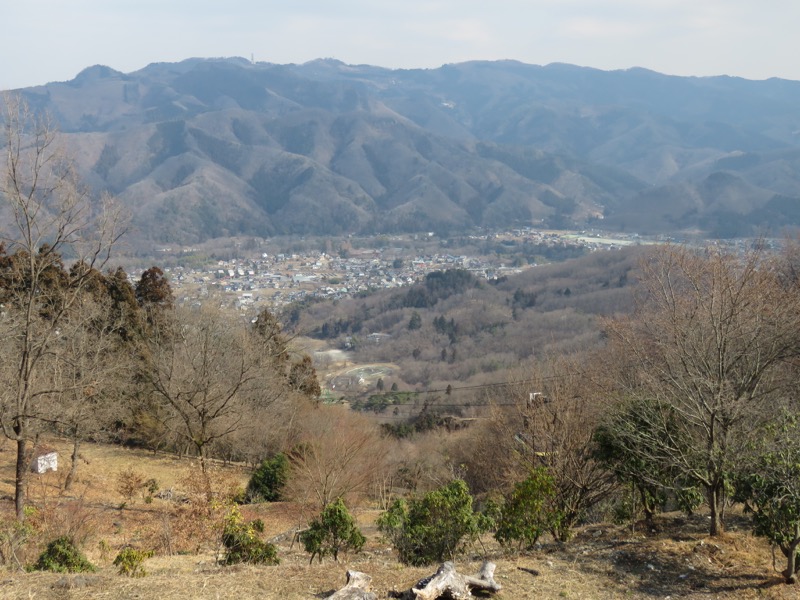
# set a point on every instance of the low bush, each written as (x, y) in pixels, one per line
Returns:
(268, 480)
(129, 483)
(528, 511)
(130, 560)
(242, 543)
(432, 528)
(198, 512)
(63, 556)
(334, 531)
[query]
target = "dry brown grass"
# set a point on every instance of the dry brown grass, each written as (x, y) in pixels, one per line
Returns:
(676, 559)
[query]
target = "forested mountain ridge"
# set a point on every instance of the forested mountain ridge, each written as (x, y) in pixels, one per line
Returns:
(214, 147)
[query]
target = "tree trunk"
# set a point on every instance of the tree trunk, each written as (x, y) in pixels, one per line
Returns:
(716, 506)
(21, 478)
(73, 468)
(790, 574)
(448, 583)
(206, 478)
(357, 588)
(648, 505)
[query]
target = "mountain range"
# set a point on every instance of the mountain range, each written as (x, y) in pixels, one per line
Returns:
(208, 148)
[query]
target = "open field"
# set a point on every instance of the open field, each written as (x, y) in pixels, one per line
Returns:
(360, 378)
(675, 559)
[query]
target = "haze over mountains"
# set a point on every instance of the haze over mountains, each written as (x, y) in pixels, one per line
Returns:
(216, 147)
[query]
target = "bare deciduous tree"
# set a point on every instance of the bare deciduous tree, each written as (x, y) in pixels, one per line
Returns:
(554, 420)
(208, 374)
(91, 370)
(549, 422)
(559, 423)
(339, 455)
(702, 363)
(48, 215)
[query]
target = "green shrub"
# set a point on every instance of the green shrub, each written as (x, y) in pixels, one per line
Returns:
(130, 560)
(333, 531)
(242, 543)
(528, 512)
(63, 556)
(770, 492)
(689, 498)
(151, 487)
(268, 480)
(434, 527)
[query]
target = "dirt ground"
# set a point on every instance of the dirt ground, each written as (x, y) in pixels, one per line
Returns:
(673, 559)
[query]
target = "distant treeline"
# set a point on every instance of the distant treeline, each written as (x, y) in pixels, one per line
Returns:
(438, 285)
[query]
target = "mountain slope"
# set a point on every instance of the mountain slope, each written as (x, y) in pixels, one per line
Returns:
(206, 148)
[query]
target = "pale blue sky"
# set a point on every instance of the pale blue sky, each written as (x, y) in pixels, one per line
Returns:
(52, 40)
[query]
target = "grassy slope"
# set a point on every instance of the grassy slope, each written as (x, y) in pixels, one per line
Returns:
(675, 559)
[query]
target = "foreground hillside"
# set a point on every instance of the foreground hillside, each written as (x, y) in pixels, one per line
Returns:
(673, 559)
(210, 148)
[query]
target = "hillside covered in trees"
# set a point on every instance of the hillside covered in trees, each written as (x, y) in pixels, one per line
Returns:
(456, 329)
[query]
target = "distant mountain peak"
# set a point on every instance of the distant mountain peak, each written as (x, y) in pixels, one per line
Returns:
(333, 62)
(209, 147)
(96, 72)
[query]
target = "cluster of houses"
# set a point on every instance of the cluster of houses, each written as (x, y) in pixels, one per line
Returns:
(279, 279)
(274, 280)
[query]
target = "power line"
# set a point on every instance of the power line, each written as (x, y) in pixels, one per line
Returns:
(383, 417)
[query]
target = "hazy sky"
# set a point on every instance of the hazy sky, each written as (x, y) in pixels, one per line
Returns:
(53, 40)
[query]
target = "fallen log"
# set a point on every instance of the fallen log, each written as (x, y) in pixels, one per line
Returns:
(356, 588)
(449, 583)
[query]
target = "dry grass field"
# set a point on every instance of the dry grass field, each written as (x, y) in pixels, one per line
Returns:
(676, 559)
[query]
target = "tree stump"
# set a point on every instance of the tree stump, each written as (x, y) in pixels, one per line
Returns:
(449, 583)
(357, 588)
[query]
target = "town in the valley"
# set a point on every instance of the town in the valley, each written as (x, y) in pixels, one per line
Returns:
(250, 276)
